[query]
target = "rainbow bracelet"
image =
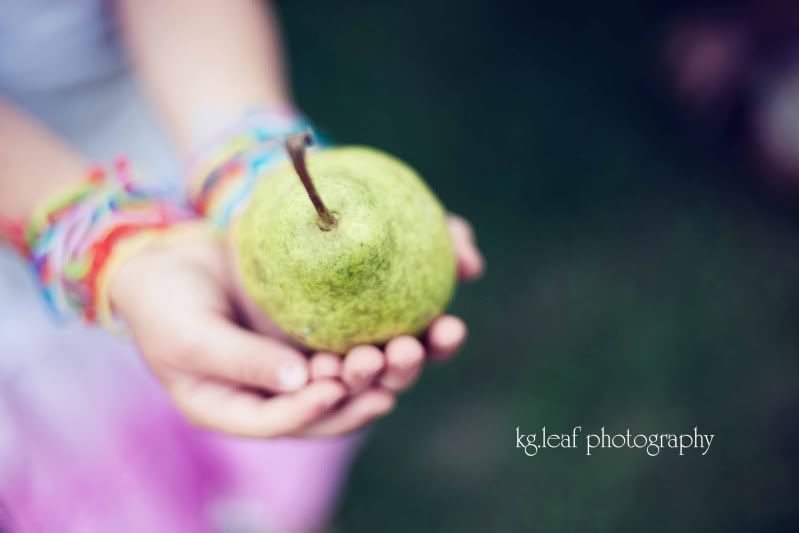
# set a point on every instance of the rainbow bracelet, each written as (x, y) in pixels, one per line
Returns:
(71, 238)
(224, 173)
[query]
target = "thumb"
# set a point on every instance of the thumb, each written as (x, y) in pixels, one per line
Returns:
(228, 352)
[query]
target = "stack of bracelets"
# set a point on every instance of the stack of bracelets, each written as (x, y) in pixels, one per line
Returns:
(77, 238)
(69, 239)
(222, 178)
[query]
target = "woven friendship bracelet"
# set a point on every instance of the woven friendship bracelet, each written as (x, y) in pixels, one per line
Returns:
(224, 173)
(70, 239)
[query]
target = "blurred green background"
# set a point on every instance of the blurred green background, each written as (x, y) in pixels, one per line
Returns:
(633, 279)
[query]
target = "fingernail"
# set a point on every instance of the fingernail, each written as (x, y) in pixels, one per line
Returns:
(293, 376)
(452, 335)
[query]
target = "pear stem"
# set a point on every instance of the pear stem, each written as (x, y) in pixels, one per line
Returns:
(295, 146)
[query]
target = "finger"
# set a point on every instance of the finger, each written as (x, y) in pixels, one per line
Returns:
(362, 365)
(221, 350)
(461, 226)
(470, 261)
(444, 336)
(239, 412)
(355, 414)
(325, 365)
(404, 359)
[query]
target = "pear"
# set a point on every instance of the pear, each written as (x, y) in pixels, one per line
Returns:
(368, 258)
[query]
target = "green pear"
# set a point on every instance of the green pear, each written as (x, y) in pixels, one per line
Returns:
(346, 246)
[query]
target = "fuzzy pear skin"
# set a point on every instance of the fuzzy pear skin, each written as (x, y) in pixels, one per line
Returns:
(386, 268)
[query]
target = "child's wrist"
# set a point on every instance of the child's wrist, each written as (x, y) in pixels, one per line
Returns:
(224, 173)
(136, 258)
(72, 240)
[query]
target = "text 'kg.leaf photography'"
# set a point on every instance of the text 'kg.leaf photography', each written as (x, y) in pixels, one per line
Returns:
(651, 444)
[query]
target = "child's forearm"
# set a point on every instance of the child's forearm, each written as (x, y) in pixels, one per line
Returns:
(68, 217)
(34, 163)
(205, 62)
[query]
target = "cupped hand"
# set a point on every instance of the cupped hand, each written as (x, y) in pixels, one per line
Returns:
(178, 300)
(175, 299)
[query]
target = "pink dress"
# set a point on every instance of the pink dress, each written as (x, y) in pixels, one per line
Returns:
(88, 440)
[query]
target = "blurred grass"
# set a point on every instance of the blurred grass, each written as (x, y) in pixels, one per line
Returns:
(633, 281)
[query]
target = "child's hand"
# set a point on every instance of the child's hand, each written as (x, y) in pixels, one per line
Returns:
(175, 300)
